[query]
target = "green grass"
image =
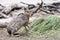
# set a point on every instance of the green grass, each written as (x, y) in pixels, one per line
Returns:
(44, 25)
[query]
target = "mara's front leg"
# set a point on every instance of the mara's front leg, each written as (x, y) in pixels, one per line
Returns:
(26, 28)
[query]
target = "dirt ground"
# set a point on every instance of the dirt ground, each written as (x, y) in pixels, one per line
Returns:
(4, 36)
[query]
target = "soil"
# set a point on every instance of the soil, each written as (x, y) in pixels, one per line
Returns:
(4, 36)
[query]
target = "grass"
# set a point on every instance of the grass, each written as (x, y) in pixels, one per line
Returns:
(45, 25)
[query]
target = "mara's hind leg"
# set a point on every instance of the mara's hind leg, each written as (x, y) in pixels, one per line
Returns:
(9, 30)
(12, 31)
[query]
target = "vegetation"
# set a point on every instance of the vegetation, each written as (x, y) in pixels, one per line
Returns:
(44, 25)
